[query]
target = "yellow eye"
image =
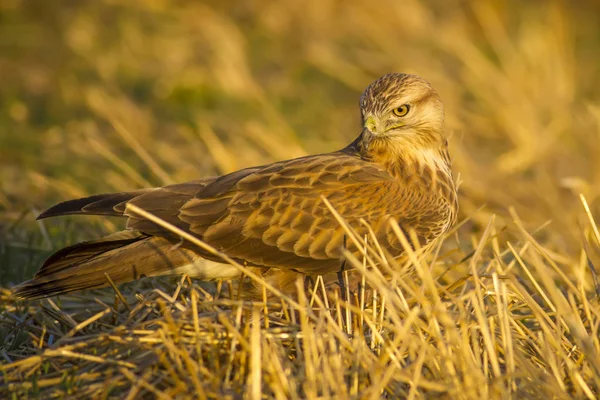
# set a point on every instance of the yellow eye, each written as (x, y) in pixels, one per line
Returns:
(402, 110)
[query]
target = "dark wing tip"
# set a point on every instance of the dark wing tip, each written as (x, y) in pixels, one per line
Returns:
(100, 204)
(54, 211)
(45, 214)
(70, 206)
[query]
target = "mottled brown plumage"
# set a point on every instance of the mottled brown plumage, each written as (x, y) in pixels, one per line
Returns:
(274, 216)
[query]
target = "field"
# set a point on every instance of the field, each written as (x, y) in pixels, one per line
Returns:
(110, 95)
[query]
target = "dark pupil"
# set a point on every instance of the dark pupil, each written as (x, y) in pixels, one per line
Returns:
(400, 110)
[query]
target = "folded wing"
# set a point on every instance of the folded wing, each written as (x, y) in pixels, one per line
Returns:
(269, 216)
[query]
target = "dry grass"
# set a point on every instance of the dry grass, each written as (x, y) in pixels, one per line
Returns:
(512, 325)
(109, 95)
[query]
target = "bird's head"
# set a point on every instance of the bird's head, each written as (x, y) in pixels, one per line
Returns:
(402, 108)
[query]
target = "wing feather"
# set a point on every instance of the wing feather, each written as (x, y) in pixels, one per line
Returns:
(275, 216)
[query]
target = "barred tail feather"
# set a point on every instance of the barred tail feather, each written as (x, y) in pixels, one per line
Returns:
(124, 256)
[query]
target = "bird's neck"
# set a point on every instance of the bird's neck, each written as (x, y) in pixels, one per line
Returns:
(406, 156)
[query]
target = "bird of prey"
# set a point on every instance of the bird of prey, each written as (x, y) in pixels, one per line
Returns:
(274, 216)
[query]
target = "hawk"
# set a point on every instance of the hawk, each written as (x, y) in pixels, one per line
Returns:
(274, 216)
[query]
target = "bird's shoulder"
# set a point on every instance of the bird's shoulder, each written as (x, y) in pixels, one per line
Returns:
(315, 172)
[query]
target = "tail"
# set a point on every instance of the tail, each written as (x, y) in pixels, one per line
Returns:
(124, 256)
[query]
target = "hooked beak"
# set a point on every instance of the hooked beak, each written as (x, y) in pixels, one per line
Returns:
(371, 125)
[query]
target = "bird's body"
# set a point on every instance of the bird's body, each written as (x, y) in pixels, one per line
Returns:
(274, 216)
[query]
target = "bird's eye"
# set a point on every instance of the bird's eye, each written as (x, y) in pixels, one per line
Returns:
(402, 110)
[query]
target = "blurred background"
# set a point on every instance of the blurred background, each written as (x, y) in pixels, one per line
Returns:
(111, 95)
